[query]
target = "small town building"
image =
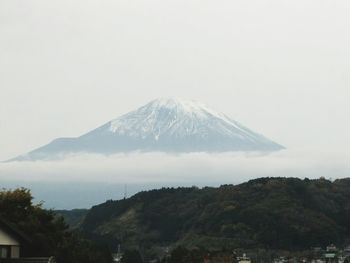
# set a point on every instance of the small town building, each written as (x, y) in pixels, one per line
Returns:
(12, 241)
(331, 248)
(244, 259)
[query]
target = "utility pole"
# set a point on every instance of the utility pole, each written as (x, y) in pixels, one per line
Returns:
(125, 191)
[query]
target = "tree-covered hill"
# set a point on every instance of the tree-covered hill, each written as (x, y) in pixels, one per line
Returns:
(72, 217)
(270, 213)
(47, 234)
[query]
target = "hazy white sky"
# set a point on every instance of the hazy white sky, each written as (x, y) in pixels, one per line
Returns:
(280, 67)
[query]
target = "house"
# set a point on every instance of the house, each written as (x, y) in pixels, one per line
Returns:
(117, 257)
(243, 259)
(346, 252)
(12, 241)
(331, 248)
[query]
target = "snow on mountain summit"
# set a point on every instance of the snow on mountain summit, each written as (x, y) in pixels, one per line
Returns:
(175, 117)
(165, 125)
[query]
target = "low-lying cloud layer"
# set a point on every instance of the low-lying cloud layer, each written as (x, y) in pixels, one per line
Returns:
(84, 180)
(164, 168)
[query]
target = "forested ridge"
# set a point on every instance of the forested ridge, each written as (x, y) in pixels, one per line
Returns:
(269, 213)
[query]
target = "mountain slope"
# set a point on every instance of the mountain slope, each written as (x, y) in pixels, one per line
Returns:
(166, 125)
(274, 213)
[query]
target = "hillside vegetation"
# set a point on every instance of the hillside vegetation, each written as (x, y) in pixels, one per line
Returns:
(269, 213)
(48, 234)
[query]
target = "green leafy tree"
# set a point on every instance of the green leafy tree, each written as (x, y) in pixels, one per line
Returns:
(132, 256)
(49, 234)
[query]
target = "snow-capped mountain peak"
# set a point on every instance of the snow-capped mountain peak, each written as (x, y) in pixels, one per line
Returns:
(168, 116)
(165, 125)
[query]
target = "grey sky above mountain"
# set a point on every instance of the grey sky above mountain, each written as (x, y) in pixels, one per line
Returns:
(281, 68)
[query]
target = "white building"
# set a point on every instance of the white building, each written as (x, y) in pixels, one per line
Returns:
(10, 240)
